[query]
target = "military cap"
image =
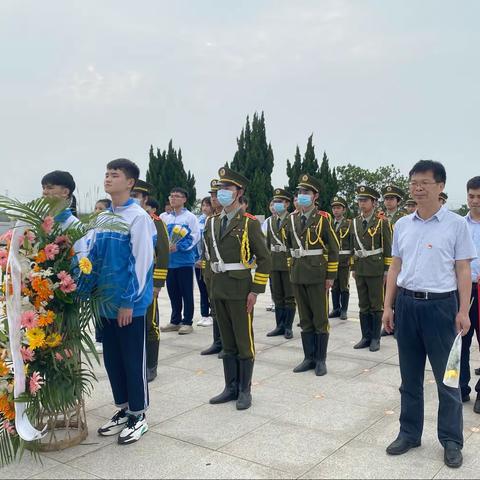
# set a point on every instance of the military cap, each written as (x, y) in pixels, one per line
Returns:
(310, 183)
(227, 175)
(281, 194)
(336, 200)
(410, 201)
(213, 186)
(393, 191)
(443, 196)
(142, 187)
(363, 191)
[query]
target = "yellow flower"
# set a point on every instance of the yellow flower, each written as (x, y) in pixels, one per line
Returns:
(451, 374)
(176, 229)
(53, 340)
(85, 266)
(35, 337)
(183, 231)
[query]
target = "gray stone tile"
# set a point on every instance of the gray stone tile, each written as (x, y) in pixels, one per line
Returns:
(284, 446)
(211, 426)
(27, 467)
(357, 460)
(63, 472)
(218, 465)
(457, 473)
(154, 456)
(202, 385)
(384, 374)
(101, 395)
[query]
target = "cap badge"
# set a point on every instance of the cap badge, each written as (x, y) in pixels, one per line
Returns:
(222, 172)
(389, 189)
(362, 189)
(277, 191)
(305, 178)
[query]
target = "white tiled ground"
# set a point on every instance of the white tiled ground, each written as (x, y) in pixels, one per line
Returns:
(300, 426)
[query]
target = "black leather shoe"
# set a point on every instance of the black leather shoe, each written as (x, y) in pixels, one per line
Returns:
(476, 406)
(477, 371)
(374, 345)
(212, 349)
(465, 398)
(363, 343)
(151, 374)
(453, 455)
(401, 446)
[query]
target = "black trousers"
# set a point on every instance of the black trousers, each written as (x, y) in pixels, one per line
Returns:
(204, 301)
(180, 291)
(427, 327)
(467, 342)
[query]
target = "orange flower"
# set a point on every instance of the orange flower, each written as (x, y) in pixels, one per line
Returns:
(26, 292)
(7, 408)
(72, 252)
(36, 268)
(41, 257)
(41, 286)
(46, 319)
(4, 370)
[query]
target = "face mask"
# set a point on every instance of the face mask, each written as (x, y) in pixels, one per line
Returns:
(279, 207)
(304, 200)
(225, 197)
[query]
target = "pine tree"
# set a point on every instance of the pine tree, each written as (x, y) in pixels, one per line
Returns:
(166, 171)
(254, 159)
(293, 172)
(328, 178)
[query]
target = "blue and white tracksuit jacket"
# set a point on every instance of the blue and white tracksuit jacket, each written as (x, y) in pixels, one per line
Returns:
(123, 262)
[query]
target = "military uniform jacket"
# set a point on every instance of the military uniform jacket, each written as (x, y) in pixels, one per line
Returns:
(344, 233)
(396, 216)
(162, 252)
(241, 242)
(378, 235)
(318, 234)
(276, 238)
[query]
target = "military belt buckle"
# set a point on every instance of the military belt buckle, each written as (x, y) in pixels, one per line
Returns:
(359, 253)
(297, 253)
(217, 267)
(276, 248)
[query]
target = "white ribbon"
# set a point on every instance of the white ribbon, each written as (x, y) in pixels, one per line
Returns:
(24, 428)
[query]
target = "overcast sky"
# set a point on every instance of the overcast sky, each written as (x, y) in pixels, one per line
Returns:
(375, 81)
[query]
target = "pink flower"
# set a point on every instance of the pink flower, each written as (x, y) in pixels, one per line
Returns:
(27, 354)
(68, 353)
(3, 258)
(47, 224)
(7, 236)
(36, 382)
(62, 241)
(67, 285)
(9, 427)
(58, 357)
(51, 250)
(29, 319)
(30, 236)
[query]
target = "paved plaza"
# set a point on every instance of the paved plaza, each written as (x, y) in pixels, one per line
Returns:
(300, 425)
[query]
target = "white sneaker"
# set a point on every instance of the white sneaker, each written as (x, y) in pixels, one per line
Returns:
(135, 428)
(99, 347)
(200, 323)
(207, 322)
(115, 425)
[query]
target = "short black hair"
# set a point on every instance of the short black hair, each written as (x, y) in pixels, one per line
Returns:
(438, 170)
(106, 201)
(206, 200)
(180, 190)
(473, 183)
(58, 177)
(128, 167)
(152, 203)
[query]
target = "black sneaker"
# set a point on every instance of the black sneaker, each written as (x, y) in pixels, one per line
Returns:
(114, 425)
(133, 431)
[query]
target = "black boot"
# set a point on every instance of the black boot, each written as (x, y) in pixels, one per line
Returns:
(216, 346)
(245, 384)
(288, 322)
(376, 327)
(321, 354)
(344, 298)
(152, 359)
(230, 371)
(336, 304)
(366, 334)
(279, 319)
(308, 342)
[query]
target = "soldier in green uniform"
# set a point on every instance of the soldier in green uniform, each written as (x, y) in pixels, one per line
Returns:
(372, 245)
(216, 346)
(313, 249)
(236, 245)
(282, 292)
(142, 192)
(410, 205)
(392, 197)
(341, 287)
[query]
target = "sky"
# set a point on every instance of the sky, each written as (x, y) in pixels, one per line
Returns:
(377, 82)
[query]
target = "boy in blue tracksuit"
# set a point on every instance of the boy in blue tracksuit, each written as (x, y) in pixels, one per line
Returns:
(123, 274)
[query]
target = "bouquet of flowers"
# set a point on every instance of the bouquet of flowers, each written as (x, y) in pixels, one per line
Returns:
(451, 378)
(178, 235)
(44, 323)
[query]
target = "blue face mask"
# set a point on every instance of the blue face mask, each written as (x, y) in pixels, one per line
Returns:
(225, 197)
(304, 200)
(279, 207)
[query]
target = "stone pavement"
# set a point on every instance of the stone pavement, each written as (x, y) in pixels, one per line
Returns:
(300, 425)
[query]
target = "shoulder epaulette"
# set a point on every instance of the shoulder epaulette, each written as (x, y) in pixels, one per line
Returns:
(324, 214)
(155, 217)
(381, 215)
(250, 216)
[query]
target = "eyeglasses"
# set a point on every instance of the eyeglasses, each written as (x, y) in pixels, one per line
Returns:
(176, 196)
(423, 184)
